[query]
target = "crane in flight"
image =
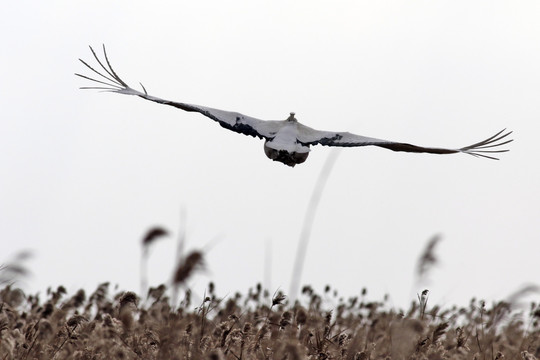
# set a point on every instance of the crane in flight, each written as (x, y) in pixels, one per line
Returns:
(287, 141)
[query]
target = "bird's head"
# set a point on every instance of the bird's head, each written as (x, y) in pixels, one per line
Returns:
(291, 117)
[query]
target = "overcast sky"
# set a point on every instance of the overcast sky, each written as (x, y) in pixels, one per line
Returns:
(84, 174)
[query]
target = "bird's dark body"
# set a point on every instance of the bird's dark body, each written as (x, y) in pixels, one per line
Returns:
(285, 157)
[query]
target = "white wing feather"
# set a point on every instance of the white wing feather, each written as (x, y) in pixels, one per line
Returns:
(231, 120)
(309, 136)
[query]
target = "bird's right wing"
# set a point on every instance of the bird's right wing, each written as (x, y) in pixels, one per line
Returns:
(485, 148)
(240, 123)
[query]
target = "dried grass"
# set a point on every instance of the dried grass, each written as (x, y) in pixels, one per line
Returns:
(117, 326)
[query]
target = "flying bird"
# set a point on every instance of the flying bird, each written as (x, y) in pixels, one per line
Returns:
(287, 141)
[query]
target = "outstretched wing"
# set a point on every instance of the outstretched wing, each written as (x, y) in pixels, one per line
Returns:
(108, 80)
(491, 145)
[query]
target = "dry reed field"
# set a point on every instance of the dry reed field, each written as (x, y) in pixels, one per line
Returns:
(173, 323)
(257, 325)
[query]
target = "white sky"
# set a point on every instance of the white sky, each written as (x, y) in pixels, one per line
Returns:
(84, 174)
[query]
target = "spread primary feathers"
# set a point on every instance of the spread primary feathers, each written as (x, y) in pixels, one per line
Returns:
(287, 141)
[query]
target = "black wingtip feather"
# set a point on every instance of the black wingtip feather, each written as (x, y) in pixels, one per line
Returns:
(478, 149)
(111, 80)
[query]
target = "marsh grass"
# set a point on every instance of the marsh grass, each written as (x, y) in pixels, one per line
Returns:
(428, 259)
(148, 240)
(257, 325)
(15, 268)
(309, 218)
(108, 325)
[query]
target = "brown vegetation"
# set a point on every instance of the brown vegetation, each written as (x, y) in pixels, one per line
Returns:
(256, 326)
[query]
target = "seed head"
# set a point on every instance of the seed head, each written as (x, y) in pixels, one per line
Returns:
(301, 316)
(193, 262)
(153, 234)
(75, 320)
(278, 299)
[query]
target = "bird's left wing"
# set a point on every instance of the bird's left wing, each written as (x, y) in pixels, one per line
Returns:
(485, 148)
(108, 80)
